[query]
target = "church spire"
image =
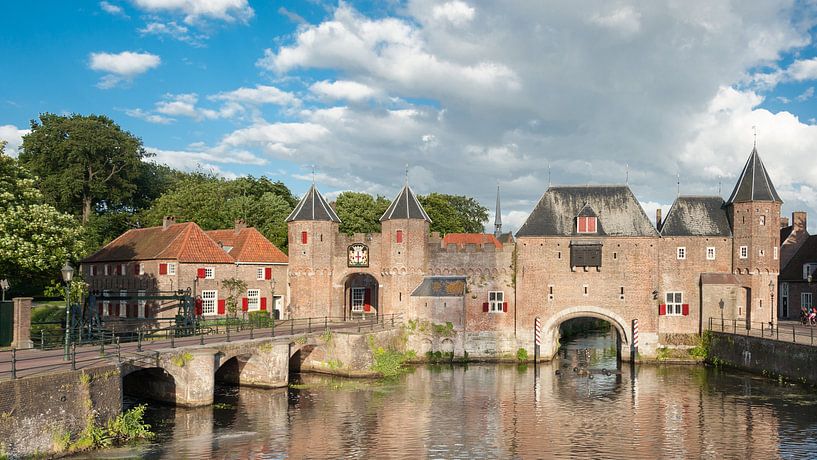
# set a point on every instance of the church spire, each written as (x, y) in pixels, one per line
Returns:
(498, 218)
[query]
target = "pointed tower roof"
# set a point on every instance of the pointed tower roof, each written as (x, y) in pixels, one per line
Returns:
(754, 183)
(405, 206)
(313, 207)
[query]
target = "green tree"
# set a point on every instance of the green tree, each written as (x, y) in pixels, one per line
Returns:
(360, 212)
(84, 163)
(35, 238)
(454, 213)
(235, 288)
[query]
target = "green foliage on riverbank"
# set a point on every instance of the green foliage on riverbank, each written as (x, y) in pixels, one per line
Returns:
(127, 427)
(522, 355)
(389, 362)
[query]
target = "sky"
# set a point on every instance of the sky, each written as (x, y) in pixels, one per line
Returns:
(666, 96)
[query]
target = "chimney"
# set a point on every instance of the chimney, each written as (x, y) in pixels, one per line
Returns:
(798, 221)
(240, 225)
(167, 222)
(658, 218)
(784, 222)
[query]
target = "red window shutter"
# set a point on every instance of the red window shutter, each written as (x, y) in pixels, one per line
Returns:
(582, 225)
(268, 273)
(163, 269)
(245, 304)
(116, 309)
(591, 224)
(367, 300)
(199, 307)
(201, 273)
(303, 237)
(263, 303)
(221, 306)
(101, 311)
(485, 307)
(662, 309)
(136, 269)
(399, 236)
(505, 307)
(685, 309)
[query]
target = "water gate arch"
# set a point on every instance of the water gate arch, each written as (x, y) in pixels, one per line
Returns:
(551, 334)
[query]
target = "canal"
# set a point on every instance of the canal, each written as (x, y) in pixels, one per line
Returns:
(501, 411)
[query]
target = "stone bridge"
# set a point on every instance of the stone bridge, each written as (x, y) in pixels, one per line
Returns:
(186, 376)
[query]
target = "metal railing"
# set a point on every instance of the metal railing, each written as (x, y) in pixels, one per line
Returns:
(788, 332)
(117, 344)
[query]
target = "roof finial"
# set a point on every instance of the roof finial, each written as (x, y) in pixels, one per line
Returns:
(498, 216)
(754, 129)
(678, 182)
(313, 175)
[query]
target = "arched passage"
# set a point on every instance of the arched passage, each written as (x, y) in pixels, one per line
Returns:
(361, 296)
(152, 383)
(551, 333)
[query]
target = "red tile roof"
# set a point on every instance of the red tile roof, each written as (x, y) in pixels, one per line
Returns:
(185, 242)
(461, 239)
(249, 245)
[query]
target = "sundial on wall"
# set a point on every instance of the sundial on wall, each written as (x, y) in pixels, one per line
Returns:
(358, 255)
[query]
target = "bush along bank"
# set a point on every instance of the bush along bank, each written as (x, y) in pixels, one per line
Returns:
(127, 427)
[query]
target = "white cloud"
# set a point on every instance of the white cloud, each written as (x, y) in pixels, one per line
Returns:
(625, 20)
(122, 67)
(806, 95)
(456, 12)
(343, 90)
(207, 159)
(172, 30)
(193, 10)
(803, 70)
(13, 137)
(110, 8)
(149, 117)
(261, 94)
(185, 105)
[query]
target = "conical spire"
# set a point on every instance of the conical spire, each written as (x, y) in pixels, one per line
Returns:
(405, 206)
(313, 207)
(498, 218)
(754, 183)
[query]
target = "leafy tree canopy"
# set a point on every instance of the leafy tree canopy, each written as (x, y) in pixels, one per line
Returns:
(454, 213)
(360, 212)
(84, 163)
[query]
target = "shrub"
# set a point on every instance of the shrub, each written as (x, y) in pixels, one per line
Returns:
(522, 355)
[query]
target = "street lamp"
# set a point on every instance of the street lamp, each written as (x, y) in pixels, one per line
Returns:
(771, 294)
(4, 285)
(67, 275)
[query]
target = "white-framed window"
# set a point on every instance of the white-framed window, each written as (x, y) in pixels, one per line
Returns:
(675, 302)
(762, 220)
(761, 252)
(775, 252)
(123, 269)
(358, 298)
(710, 253)
(809, 269)
(123, 305)
(106, 269)
(259, 273)
(209, 273)
(585, 290)
(785, 289)
(278, 306)
(744, 252)
(208, 302)
(106, 304)
(805, 300)
(142, 302)
(253, 299)
(496, 299)
(171, 268)
(621, 293)
(586, 225)
(141, 268)
(681, 253)
(92, 270)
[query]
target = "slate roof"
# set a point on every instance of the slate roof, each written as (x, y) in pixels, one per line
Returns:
(618, 212)
(754, 183)
(506, 238)
(405, 206)
(697, 216)
(441, 286)
(785, 232)
(461, 239)
(793, 271)
(313, 207)
(248, 245)
(185, 242)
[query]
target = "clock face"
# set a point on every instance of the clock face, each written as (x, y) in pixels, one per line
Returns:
(358, 255)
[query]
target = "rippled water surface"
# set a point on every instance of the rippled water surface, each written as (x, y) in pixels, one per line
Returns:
(502, 411)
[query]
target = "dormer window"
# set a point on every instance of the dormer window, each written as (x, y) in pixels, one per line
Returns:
(586, 224)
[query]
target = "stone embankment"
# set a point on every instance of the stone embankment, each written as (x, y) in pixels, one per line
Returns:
(792, 361)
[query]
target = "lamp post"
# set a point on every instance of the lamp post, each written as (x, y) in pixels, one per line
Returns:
(771, 295)
(4, 285)
(67, 275)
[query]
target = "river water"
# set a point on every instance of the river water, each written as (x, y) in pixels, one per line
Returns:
(501, 411)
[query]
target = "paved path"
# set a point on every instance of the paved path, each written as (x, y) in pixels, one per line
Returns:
(34, 361)
(786, 331)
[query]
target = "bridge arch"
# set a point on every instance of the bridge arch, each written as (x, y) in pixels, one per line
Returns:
(550, 326)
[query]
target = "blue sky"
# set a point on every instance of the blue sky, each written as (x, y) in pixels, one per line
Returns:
(467, 93)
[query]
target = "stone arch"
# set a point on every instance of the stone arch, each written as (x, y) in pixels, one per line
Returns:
(447, 346)
(551, 325)
(446, 272)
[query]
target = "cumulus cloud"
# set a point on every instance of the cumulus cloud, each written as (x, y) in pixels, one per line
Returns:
(194, 10)
(149, 117)
(172, 30)
(803, 69)
(343, 90)
(455, 12)
(261, 94)
(200, 157)
(13, 137)
(122, 67)
(110, 8)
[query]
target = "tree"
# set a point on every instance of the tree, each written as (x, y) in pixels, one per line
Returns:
(235, 288)
(35, 238)
(454, 213)
(83, 163)
(360, 212)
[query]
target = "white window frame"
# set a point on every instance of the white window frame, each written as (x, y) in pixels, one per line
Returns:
(209, 302)
(106, 269)
(762, 220)
(277, 304)
(681, 252)
(784, 290)
(675, 302)
(209, 273)
(357, 298)
(106, 304)
(809, 269)
(141, 268)
(141, 303)
(710, 253)
(123, 305)
(259, 273)
(123, 269)
(776, 252)
(171, 268)
(587, 221)
(744, 252)
(803, 302)
(496, 301)
(550, 293)
(253, 299)
(761, 253)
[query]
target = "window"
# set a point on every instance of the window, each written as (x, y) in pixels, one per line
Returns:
(106, 304)
(808, 270)
(805, 300)
(761, 253)
(141, 304)
(123, 269)
(496, 300)
(586, 225)
(681, 253)
(208, 302)
(123, 305)
(209, 273)
(710, 253)
(171, 269)
(92, 270)
(399, 236)
(585, 290)
(358, 298)
(775, 252)
(675, 301)
(585, 255)
(259, 273)
(253, 299)
(762, 220)
(141, 269)
(744, 252)
(785, 289)
(304, 238)
(621, 293)
(106, 270)
(550, 292)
